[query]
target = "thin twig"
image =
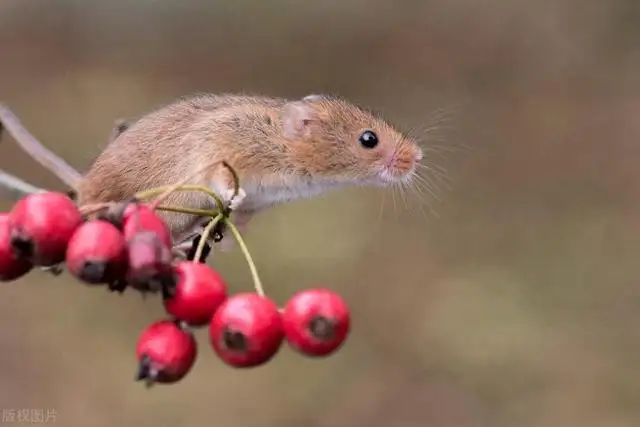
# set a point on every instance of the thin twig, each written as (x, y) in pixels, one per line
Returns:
(65, 172)
(15, 187)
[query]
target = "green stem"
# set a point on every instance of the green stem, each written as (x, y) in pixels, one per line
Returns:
(254, 272)
(205, 235)
(199, 212)
(147, 194)
(236, 179)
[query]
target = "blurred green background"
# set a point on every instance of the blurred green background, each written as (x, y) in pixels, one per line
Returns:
(513, 301)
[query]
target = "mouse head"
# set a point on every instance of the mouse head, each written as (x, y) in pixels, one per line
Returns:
(342, 141)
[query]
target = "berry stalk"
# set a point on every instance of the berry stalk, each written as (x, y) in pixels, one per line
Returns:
(257, 284)
(236, 179)
(205, 235)
(154, 192)
(197, 212)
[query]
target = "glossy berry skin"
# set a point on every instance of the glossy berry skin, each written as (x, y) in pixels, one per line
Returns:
(11, 267)
(149, 262)
(138, 217)
(198, 293)
(246, 331)
(316, 322)
(97, 253)
(41, 226)
(165, 353)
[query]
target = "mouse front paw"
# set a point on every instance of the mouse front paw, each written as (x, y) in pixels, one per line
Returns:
(235, 201)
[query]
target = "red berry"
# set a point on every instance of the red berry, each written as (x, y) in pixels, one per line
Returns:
(11, 267)
(198, 293)
(316, 322)
(138, 217)
(165, 353)
(149, 263)
(97, 253)
(246, 331)
(41, 226)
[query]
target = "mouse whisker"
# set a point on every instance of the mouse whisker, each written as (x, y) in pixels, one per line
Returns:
(428, 185)
(425, 202)
(443, 115)
(422, 198)
(381, 211)
(432, 128)
(403, 193)
(435, 171)
(393, 198)
(424, 191)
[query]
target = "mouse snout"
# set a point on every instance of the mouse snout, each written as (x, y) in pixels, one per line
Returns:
(403, 160)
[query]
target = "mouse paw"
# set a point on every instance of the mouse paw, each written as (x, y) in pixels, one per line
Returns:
(235, 201)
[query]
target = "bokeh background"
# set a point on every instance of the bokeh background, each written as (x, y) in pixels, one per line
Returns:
(508, 298)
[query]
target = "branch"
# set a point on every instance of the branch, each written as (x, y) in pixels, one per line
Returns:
(65, 172)
(16, 188)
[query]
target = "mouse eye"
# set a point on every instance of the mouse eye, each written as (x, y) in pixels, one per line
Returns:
(368, 139)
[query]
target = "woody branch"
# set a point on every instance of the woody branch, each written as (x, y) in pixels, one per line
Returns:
(15, 187)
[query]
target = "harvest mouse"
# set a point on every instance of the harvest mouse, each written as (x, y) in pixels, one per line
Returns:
(282, 150)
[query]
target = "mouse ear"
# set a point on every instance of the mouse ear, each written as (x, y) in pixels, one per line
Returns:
(297, 119)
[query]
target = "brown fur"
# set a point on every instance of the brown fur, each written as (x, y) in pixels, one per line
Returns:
(273, 144)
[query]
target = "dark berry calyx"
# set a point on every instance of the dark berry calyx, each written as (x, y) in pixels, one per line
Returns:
(166, 282)
(93, 271)
(322, 328)
(22, 245)
(146, 372)
(118, 285)
(234, 340)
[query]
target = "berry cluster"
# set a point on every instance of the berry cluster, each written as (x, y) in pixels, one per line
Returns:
(128, 245)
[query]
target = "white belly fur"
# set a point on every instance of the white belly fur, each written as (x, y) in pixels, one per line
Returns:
(260, 197)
